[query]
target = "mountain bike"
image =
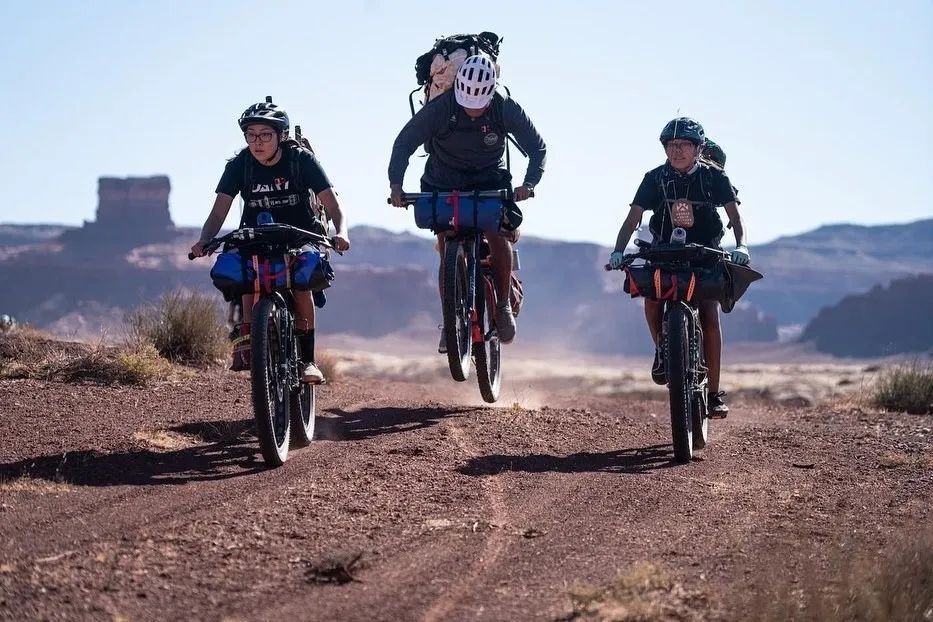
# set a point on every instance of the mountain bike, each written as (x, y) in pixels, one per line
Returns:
(680, 276)
(469, 293)
(283, 406)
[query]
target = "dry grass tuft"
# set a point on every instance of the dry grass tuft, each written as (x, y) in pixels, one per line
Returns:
(27, 353)
(906, 388)
(184, 327)
(896, 586)
(645, 593)
(34, 485)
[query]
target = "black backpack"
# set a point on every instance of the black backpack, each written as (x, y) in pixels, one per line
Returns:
(485, 43)
(291, 149)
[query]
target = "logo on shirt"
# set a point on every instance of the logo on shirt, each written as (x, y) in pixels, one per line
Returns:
(279, 183)
(491, 139)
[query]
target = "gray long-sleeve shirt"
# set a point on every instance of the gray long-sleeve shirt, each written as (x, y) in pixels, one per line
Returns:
(461, 146)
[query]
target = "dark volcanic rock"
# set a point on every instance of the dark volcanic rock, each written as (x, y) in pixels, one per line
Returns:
(885, 320)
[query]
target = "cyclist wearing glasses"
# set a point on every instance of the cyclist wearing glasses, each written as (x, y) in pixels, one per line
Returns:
(684, 192)
(274, 175)
(464, 132)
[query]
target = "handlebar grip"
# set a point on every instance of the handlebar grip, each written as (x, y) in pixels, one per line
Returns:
(191, 257)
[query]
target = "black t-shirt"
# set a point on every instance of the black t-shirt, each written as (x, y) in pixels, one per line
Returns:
(705, 189)
(273, 189)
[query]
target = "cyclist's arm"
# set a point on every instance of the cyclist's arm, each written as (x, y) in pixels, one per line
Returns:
(216, 218)
(629, 225)
(527, 137)
(419, 130)
(332, 206)
(735, 219)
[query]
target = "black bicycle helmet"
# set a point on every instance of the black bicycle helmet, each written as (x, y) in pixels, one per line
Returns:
(267, 113)
(683, 127)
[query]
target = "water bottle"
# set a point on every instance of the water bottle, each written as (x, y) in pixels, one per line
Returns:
(679, 235)
(264, 218)
(516, 265)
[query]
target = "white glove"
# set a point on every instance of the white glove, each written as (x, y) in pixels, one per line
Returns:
(615, 259)
(740, 255)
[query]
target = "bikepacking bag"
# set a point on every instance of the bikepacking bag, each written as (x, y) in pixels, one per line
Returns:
(726, 283)
(460, 211)
(437, 68)
(235, 275)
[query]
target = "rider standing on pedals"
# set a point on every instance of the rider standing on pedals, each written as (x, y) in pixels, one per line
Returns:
(464, 132)
(269, 156)
(704, 187)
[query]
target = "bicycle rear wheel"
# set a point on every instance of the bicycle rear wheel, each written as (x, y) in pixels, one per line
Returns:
(678, 382)
(457, 309)
(700, 404)
(487, 352)
(269, 382)
(302, 409)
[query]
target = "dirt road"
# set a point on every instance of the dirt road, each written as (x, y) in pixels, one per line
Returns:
(124, 503)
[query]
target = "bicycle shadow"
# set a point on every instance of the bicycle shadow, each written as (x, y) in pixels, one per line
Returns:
(219, 450)
(628, 461)
(370, 422)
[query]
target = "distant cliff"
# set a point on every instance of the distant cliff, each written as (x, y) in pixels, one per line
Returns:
(887, 320)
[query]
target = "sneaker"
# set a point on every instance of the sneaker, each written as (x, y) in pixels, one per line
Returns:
(312, 375)
(242, 354)
(442, 344)
(717, 407)
(657, 369)
(505, 322)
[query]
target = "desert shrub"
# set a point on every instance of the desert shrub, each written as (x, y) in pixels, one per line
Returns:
(28, 353)
(906, 388)
(184, 327)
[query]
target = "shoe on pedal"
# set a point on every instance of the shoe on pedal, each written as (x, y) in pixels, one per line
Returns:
(311, 374)
(505, 322)
(657, 369)
(717, 407)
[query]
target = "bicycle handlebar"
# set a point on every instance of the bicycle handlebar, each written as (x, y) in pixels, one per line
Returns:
(669, 252)
(254, 235)
(504, 194)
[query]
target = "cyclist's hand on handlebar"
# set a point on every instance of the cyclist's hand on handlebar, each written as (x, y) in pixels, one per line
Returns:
(740, 255)
(616, 259)
(396, 195)
(341, 243)
(522, 193)
(198, 249)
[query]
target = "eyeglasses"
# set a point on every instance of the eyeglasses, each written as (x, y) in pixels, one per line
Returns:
(678, 145)
(265, 137)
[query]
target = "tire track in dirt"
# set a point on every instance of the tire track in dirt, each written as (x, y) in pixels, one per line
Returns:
(491, 551)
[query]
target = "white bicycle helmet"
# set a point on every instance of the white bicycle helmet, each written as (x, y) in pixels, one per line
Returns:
(476, 82)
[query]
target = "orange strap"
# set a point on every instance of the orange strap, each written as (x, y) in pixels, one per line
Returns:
(692, 286)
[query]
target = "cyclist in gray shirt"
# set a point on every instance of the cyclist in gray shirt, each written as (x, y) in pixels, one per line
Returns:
(464, 132)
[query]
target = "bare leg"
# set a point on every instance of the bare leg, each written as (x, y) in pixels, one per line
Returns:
(304, 311)
(501, 264)
(712, 341)
(653, 316)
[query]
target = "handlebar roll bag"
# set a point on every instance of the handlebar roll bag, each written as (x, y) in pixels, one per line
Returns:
(458, 212)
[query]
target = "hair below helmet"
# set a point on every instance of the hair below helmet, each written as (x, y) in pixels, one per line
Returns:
(266, 113)
(475, 85)
(683, 127)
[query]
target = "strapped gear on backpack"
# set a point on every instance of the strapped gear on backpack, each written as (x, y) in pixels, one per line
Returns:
(437, 68)
(475, 85)
(266, 113)
(683, 127)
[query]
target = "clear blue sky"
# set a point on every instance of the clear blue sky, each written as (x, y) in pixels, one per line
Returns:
(824, 108)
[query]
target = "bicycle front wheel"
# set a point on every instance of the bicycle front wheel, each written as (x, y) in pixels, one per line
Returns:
(487, 352)
(457, 310)
(270, 382)
(678, 382)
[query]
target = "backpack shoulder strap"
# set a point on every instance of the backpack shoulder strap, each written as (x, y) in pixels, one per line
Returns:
(247, 175)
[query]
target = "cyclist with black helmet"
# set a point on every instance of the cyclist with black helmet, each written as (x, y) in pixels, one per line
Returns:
(688, 191)
(464, 132)
(274, 174)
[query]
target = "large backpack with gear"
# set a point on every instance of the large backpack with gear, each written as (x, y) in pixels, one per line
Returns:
(437, 68)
